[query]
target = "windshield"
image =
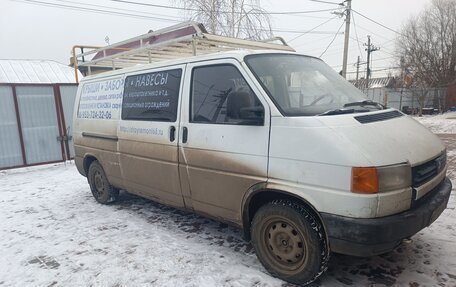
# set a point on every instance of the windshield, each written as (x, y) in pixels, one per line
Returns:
(302, 86)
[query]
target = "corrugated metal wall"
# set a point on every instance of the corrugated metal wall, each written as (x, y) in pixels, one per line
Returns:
(35, 131)
(40, 128)
(10, 144)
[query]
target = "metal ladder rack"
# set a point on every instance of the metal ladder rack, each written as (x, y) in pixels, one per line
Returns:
(178, 41)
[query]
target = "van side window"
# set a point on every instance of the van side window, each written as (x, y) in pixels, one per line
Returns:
(152, 96)
(220, 95)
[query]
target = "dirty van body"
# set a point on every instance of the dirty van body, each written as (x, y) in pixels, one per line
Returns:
(276, 143)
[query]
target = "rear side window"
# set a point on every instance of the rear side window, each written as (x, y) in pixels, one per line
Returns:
(220, 95)
(152, 96)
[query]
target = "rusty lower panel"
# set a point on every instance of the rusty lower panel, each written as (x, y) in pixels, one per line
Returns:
(185, 186)
(160, 152)
(95, 143)
(151, 177)
(151, 169)
(209, 182)
(218, 181)
(154, 194)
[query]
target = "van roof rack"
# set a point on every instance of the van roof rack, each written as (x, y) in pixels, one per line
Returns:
(181, 40)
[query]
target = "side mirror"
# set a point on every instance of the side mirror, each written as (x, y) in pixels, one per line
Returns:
(252, 115)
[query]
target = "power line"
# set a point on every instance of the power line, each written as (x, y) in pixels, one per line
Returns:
(389, 53)
(389, 41)
(380, 24)
(388, 67)
(284, 30)
(378, 70)
(319, 25)
(99, 11)
(337, 51)
(80, 8)
(320, 48)
(357, 39)
(307, 16)
(116, 8)
(373, 33)
(333, 46)
(335, 35)
(374, 60)
(358, 44)
(351, 49)
(229, 12)
(318, 40)
(327, 2)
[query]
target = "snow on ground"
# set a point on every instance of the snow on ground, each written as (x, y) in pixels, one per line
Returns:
(53, 233)
(439, 124)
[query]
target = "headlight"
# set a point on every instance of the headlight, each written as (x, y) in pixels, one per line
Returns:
(380, 179)
(394, 177)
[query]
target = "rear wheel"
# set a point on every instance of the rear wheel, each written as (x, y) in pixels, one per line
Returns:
(101, 189)
(290, 242)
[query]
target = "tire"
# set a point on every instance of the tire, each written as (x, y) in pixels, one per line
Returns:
(101, 189)
(290, 242)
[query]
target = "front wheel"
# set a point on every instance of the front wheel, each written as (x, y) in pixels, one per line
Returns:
(290, 242)
(101, 189)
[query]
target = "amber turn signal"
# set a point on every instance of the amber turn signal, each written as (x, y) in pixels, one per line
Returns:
(364, 180)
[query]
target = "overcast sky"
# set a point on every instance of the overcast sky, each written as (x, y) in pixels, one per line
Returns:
(31, 30)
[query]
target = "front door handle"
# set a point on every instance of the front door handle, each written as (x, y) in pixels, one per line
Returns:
(184, 135)
(172, 133)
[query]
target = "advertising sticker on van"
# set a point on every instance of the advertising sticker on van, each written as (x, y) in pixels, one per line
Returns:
(101, 100)
(152, 96)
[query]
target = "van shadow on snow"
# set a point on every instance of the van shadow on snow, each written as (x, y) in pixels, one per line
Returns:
(195, 226)
(383, 270)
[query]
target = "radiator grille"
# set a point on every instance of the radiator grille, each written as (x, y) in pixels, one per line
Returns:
(428, 170)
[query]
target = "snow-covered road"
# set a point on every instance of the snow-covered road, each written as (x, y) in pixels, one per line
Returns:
(53, 233)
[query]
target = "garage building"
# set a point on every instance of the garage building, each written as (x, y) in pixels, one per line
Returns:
(36, 107)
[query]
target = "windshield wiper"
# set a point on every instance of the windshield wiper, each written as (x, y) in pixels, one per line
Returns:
(365, 103)
(342, 111)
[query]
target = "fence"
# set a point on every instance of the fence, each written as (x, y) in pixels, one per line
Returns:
(399, 98)
(35, 123)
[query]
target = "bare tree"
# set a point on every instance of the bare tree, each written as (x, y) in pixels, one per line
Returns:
(427, 48)
(234, 18)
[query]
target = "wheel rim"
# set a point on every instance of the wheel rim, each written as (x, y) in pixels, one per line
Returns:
(98, 181)
(285, 244)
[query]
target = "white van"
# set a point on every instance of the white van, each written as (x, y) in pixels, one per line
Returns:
(274, 142)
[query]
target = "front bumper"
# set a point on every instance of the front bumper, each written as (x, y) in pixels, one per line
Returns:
(372, 236)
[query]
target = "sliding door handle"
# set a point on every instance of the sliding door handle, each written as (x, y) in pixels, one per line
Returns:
(172, 133)
(184, 135)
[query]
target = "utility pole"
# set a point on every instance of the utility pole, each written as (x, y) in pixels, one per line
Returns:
(347, 37)
(357, 71)
(213, 18)
(370, 48)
